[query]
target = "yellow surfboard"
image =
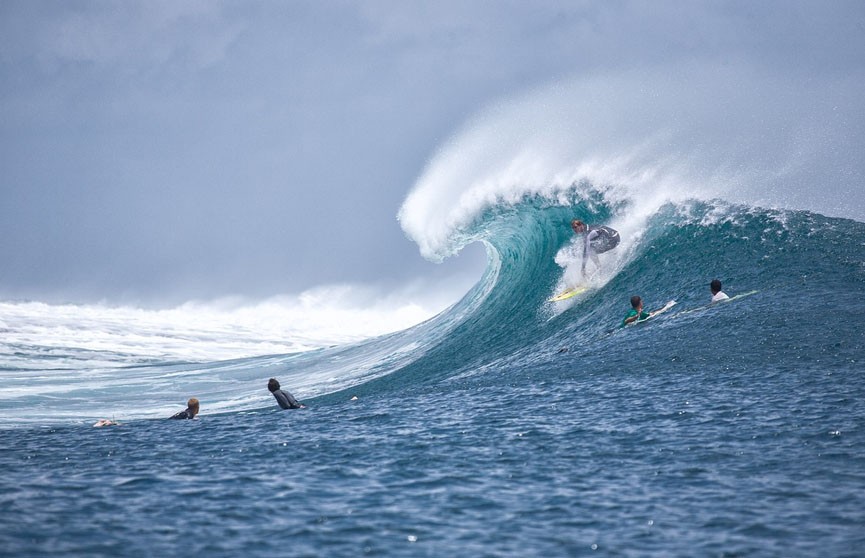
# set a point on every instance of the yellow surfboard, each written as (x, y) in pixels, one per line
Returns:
(573, 291)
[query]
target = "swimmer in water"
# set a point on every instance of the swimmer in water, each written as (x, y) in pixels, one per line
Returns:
(190, 411)
(283, 398)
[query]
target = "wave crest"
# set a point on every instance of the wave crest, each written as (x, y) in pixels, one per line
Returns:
(645, 138)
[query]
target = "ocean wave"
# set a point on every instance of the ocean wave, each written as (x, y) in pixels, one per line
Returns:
(644, 138)
(504, 322)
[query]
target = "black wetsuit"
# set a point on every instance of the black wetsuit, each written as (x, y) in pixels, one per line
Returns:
(187, 414)
(286, 400)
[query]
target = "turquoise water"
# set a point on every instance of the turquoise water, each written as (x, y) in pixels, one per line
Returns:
(505, 426)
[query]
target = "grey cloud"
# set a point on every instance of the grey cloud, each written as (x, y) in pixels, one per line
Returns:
(136, 35)
(191, 149)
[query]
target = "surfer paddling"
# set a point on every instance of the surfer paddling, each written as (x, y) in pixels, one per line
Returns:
(717, 293)
(637, 314)
(597, 240)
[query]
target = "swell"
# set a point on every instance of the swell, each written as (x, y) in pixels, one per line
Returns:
(804, 265)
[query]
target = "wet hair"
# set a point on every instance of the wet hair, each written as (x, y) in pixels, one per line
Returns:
(715, 286)
(636, 301)
(192, 404)
(272, 385)
(577, 223)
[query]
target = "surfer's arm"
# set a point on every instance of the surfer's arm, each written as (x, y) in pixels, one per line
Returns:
(585, 253)
(634, 316)
(663, 308)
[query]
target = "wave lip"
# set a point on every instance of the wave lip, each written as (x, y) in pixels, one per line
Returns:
(647, 138)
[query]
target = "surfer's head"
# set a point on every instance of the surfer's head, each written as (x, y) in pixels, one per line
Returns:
(578, 226)
(715, 286)
(192, 406)
(272, 385)
(636, 302)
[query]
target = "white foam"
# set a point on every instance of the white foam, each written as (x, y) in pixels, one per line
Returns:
(43, 336)
(646, 137)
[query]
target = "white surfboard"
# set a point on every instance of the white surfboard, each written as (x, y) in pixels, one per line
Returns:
(656, 312)
(725, 301)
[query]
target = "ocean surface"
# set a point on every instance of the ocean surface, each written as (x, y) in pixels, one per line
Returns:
(503, 426)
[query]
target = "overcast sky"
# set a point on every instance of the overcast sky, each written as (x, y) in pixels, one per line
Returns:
(158, 151)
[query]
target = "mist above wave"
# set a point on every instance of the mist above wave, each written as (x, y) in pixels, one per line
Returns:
(648, 138)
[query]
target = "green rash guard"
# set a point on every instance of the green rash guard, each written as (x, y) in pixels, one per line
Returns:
(632, 313)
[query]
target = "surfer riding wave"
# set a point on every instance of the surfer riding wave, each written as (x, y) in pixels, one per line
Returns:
(597, 240)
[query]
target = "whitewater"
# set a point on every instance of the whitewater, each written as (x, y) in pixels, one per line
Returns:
(500, 423)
